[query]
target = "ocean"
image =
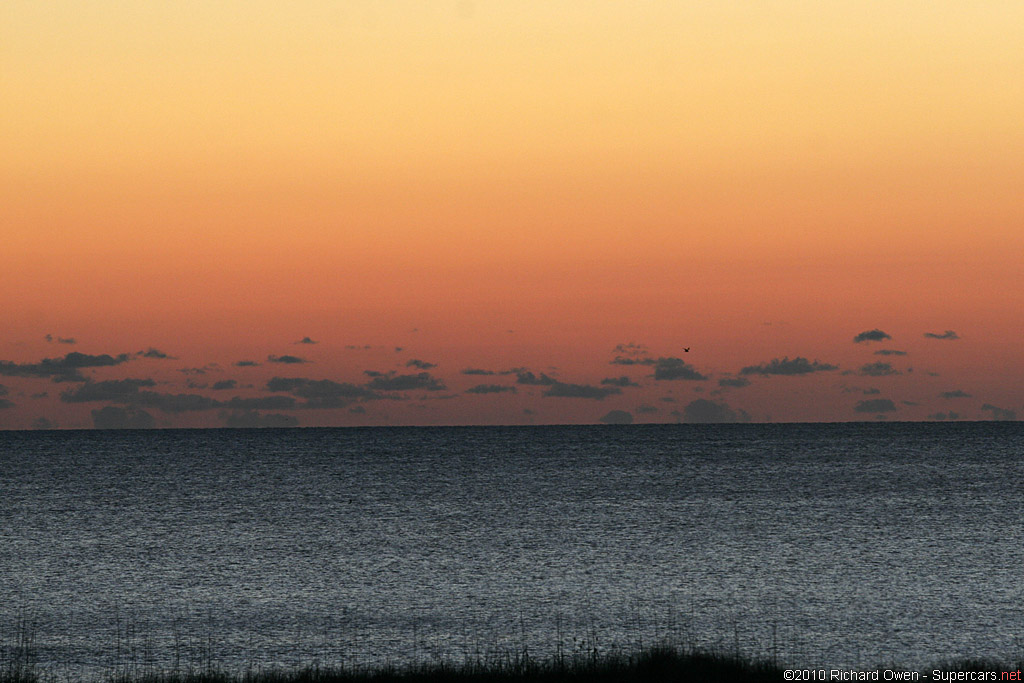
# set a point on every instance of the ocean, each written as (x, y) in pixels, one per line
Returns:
(852, 544)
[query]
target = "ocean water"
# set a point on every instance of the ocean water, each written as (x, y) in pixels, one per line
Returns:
(833, 545)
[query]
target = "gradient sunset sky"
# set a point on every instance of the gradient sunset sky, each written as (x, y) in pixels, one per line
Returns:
(478, 212)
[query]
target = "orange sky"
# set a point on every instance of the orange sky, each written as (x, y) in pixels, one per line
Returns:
(512, 185)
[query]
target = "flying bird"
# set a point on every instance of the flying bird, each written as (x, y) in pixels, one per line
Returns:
(686, 349)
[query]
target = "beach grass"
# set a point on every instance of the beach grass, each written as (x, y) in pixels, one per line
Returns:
(655, 665)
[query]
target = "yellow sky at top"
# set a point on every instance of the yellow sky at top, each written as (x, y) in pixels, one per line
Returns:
(462, 134)
(401, 88)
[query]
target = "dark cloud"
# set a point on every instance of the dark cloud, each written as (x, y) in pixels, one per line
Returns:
(944, 416)
(872, 390)
(878, 369)
(286, 359)
(209, 367)
(64, 369)
(115, 417)
(956, 393)
(632, 354)
(192, 384)
(619, 382)
(174, 403)
(392, 382)
(890, 352)
(246, 364)
(321, 393)
(477, 371)
(60, 340)
(875, 405)
(785, 366)
(117, 390)
(1000, 413)
(675, 368)
(703, 411)
(306, 340)
(152, 353)
(43, 423)
(260, 403)
(733, 382)
(421, 364)
(251, 420)
(4, 390)
(617, 417)
(623, 360)
(224, 384)
(563, 390)
(357, 410)
(871, 335)
(530, 379)
(645, 409)
(365, 347)
(490, 389)
(948, 334)
(4, 403)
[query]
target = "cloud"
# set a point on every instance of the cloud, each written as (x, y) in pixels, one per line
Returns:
(948, 334)
(4, 404)
(956, 393)
(43, 423)
(118, 390)
(528, 378)
(250, 419)
(645, 409)
(1000, 413)
(878, 369)
(619, 382)
(392, 382)
(306, 340)
(174, 403)
(199, 371)
(785, 366)
(321, 393)
(871, 335)
(490, 389)
(60, 340)
(4, 390)
(675, 368)
(286, 359)
(477, 371)
(890, 352)
(115, 417)
(246, 364)
(703, 411)
(944, 416)
(734, 382)
(64, 369)
(421, 364)
(872, 390)
(632, 354)
(617, 417)
(563, 390)
(152, 353)
(623, 360)
(875, 405)
(260, 403)
(224, 384)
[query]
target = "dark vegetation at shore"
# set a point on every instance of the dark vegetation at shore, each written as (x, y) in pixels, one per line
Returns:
(662, 662)
(656, 664)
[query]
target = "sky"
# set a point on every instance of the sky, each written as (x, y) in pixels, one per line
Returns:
(387, 212)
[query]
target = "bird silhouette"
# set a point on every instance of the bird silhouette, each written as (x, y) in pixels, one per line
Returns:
(686, 349)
